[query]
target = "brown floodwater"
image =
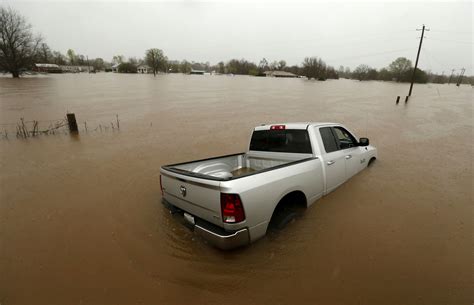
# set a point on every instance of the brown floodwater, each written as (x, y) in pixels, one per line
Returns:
(81, 221)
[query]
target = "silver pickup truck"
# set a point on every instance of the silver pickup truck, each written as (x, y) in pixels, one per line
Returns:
(232, 200)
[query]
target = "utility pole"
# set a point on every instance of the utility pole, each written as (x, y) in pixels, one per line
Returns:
(460, 77)
(451, 77)
(417, 57)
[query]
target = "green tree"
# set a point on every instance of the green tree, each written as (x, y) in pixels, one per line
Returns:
(155, 59)
(117, 59)
(294, 69)
(384, 75)
(185, 67)
(331, 73)
(58, 58)
(242, 66)
(71, 55)
(127, 67)
(173, 66)
(98, 64)
(372, 74)
(81, 60)
(221, 67)
(281, 64)
(400, 68)
(421, 76)
(18, 45)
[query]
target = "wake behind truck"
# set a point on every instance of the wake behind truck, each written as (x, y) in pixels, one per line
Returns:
(231, 200)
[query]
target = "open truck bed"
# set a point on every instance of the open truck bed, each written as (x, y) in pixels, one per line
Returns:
(234, 166)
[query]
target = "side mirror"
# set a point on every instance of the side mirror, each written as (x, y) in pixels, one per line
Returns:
(363, 142)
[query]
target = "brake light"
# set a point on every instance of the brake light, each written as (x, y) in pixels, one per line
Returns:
(232, 208)
(161, 186)
(277, 127)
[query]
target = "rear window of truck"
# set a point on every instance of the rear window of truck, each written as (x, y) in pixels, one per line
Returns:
(288, 140)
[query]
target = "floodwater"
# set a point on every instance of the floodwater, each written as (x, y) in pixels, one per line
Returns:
(81, 220)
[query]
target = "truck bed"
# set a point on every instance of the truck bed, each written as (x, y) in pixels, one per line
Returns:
(235, 166)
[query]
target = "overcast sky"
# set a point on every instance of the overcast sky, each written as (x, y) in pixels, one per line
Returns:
(345, 33)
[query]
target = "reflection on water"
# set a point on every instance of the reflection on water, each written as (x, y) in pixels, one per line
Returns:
(81, 220)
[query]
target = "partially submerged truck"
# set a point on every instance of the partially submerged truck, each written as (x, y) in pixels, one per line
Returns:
(231, 200)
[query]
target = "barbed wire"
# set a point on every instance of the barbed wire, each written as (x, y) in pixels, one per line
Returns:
(32, 128)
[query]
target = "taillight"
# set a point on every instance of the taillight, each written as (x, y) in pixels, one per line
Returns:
(232, 208)
(161, 186)
(277, 127)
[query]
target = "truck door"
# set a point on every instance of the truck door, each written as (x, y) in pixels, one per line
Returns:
(333, 160)
(353, 154)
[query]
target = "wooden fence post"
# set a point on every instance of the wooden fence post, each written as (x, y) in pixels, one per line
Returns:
(71, 120)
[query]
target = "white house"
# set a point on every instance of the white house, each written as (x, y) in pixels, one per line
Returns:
(143, 69)
(115, 68)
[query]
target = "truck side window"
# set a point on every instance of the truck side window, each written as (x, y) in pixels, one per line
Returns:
(345, 139)
(329, 141)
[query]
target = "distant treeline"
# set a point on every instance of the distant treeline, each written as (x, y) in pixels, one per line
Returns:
(400, 70)
(20, 50)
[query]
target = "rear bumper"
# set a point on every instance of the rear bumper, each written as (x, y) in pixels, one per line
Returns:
(213, 234)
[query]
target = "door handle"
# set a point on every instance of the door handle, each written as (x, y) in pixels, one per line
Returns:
(331, 162)
(348, 157)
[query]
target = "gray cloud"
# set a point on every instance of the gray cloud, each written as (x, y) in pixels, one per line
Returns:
(342, 33)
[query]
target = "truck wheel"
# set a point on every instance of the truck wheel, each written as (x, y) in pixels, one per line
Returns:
(289, 208)
(282, 220)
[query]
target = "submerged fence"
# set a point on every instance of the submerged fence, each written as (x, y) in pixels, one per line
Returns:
(24, 129)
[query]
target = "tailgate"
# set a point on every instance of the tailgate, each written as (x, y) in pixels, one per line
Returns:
(197, 196)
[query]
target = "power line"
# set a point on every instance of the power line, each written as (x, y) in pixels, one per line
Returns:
(451, 31)
(433, 58)
(455, 41)
(367, 55)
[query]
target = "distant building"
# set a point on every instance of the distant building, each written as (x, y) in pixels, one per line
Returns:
(48, 68)
(280, 74)
(76, 69)
(115, 68)
(143, 69)
(198, 72)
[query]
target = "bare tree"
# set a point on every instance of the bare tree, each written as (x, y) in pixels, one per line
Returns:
(185, 67)
(18, 45)
(361, 72)
(44, 53)
(314, 68)
(263, 65)
(155, 59)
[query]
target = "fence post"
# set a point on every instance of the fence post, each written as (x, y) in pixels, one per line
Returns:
(71, 120)
(398, 99)
(406, 99)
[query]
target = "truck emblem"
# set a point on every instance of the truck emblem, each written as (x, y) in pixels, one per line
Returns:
(182, 190)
